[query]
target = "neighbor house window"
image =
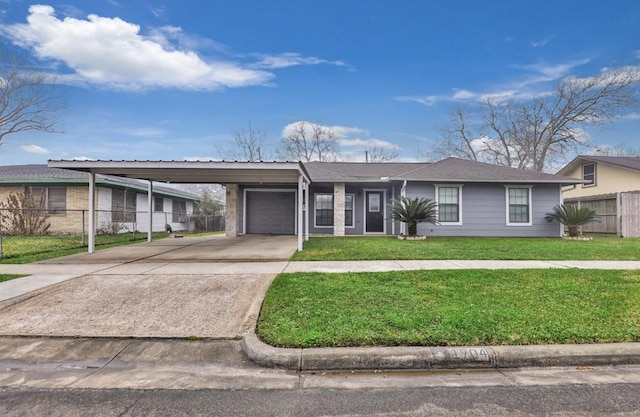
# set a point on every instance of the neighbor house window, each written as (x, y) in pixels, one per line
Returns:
(179, 211)
(448, 199)
(123, 206)
(55, 198)
(158, 204)
(589, 174)
(518, 206)
(324, 210)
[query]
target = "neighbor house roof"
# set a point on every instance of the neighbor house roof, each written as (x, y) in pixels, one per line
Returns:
(42, 174)
(628, 162)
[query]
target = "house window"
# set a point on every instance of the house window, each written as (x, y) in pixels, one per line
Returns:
(324, 210)
(589, 174)
(123, 206)
(518, 206)
(348, 210)
(158, 204)
(179, 211)
(55, 198)
(448, 199)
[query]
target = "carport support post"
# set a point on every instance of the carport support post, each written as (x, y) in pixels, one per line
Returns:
(306, 211)
(150, 206)
(92, 212)
(300, 212)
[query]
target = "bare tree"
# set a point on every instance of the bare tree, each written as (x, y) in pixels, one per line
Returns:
(29, 100)
(618, 150)
(537, 133)
(248, 144)
(377, 154)
(308, 142)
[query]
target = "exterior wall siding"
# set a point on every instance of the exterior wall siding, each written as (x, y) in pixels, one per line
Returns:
(358, 190)
(609, 180)
(484, 211)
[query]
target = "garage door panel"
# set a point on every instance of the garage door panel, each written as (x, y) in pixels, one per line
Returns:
(270, 212)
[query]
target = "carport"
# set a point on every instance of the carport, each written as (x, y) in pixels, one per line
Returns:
(229, 174)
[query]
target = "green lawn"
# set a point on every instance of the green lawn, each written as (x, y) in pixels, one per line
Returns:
(452, 308)
(8, 277)
(379, 248)
(25, 249)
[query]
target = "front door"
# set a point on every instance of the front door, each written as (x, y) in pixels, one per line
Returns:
(374, 212)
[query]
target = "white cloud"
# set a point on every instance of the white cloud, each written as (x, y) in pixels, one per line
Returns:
(630, 116)
(339, 132)
(200, 158)
(82, 158)
(111, 51)
(367, 143)
(534, 81)
(290, 59)
(541, 43)
(34, 149)
(143, 132)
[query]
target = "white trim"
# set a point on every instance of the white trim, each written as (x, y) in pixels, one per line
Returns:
(595, 175)
(459, 187)
(506, 195)
(315, 210)
(383, 209)
(267, 190)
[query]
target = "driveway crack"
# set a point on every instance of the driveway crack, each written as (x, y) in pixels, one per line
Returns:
(113, 357)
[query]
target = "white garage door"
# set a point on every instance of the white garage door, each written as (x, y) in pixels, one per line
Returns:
(271, 212)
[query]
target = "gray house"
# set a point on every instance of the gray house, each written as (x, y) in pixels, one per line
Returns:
(474, 199)
(340, 198)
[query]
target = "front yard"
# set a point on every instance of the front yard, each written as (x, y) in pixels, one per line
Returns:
(452, 308)
(489, 248)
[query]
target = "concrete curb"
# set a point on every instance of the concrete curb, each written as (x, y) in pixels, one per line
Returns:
(476, 357)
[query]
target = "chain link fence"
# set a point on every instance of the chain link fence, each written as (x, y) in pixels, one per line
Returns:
(25, 232)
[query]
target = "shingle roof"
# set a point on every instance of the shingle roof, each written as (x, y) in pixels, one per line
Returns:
(454, 169)
(631, 162)
(449, 170)
(42, 173)
(358, 171)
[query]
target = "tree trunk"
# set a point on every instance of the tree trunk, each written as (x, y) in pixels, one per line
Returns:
(573, 231)
(413, 229)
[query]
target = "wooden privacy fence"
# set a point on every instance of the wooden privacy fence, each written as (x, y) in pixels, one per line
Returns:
(619, 214)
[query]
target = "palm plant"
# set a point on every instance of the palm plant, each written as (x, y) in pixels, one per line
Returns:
(414, 211)
(572, 216)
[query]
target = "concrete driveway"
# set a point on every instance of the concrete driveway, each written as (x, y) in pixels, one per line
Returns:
(216, 248)
(205, 287)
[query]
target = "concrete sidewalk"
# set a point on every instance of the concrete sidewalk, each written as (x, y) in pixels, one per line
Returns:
(45, 275)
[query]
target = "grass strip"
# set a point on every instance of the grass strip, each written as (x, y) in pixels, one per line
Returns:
(452, 308)
(9, 277)
(462, 248)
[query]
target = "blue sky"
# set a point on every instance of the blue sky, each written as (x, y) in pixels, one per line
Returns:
(173, 80)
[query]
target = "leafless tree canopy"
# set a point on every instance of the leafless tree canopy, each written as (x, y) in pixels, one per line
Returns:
(535, 134)
(308, 142)
(377, 154)
(246, 145)
(29, 100)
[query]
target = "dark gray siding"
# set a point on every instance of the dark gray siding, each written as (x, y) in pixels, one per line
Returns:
(484, 211)
(357, 190)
